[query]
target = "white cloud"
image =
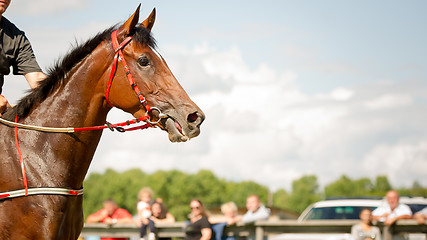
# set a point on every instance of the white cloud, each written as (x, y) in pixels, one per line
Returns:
(398, 161)
(342, 94)
(388, 101)
(230, 65)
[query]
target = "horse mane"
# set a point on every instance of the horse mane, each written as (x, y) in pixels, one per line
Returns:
(56, 75)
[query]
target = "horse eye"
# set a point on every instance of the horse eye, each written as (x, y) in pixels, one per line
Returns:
(144, 61)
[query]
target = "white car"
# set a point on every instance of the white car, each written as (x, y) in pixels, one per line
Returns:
(345, 209)
(415, 203)
(338, 209)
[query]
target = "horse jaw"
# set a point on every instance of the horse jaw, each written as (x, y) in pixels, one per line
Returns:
(175, 131)
(182, 127)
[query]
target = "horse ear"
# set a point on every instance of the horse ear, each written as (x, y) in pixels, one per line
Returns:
(149, 22)
(129, 25)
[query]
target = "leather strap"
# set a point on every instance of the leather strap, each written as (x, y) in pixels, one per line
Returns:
(41, 191)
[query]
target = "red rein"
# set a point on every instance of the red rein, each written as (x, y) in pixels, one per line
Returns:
(24, 174)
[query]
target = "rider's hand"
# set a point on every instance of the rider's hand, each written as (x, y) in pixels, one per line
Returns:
(4, 104)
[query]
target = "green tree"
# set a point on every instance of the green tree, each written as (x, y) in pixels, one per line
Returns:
(281, 199)
(346, 187)
(181, 190)
(160, 182)
(341, 187)
(418, 190)
(304, 192)
(238, 192)
(382, 185)
(363, 187)
(210, 188)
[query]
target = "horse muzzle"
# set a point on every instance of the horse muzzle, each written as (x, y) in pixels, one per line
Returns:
(181, 129)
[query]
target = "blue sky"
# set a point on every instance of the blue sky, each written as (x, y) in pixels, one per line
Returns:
(289, 87)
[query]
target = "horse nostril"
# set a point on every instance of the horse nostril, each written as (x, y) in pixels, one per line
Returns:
(192, 117)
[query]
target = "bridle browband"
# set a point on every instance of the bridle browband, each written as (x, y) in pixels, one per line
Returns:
(119, 126)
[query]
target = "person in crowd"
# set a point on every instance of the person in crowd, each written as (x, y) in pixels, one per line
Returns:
(16, 52)
(229, 217)
(110, 214)
(160, 214)
(421, 216)
(229, 214)
(364, 230)
(392, 211)
(145, 199)
(256, 211)
(199, 227)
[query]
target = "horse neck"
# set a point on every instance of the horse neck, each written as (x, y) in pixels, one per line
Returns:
(80, 102)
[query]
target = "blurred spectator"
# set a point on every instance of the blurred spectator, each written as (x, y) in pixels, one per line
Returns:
(364, 230)
(199, 227)
(229, 217)
(160, 214)
(421, 216)
(145, 199)
(256, 211)
(392, 211)
(110, 214)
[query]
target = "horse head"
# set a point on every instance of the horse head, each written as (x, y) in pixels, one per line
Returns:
(172, 109)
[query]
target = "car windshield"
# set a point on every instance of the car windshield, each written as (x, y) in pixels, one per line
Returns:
(344, 212)
(417, 207)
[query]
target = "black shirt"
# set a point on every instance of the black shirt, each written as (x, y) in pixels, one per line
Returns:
(15, 51)
(194, 230)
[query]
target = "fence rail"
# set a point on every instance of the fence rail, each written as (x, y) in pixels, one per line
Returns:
(259, 229)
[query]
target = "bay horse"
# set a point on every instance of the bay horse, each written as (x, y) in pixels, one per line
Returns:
(42, 172)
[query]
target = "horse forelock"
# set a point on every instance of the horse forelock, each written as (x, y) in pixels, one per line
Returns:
(142, 35)
(56, 75)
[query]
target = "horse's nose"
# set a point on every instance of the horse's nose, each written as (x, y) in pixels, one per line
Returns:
(195, 119)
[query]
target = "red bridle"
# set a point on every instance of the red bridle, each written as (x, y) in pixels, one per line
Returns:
(119, 56)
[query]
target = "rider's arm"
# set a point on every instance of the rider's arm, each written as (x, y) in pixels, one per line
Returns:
(34, 77)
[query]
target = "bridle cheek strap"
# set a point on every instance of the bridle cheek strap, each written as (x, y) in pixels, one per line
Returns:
(119, 56)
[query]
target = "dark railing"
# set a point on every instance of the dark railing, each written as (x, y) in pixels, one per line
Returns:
(259, 229)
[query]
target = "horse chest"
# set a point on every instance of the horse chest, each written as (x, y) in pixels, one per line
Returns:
(43, 217)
